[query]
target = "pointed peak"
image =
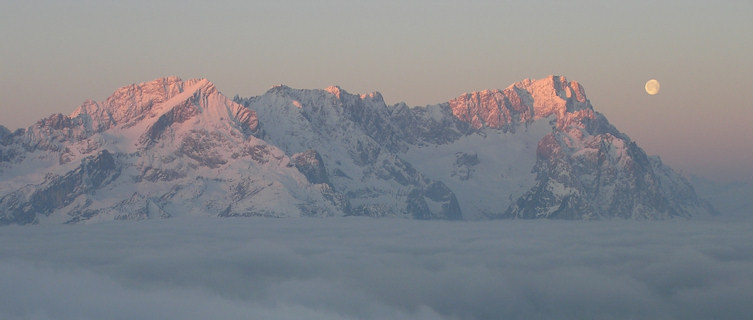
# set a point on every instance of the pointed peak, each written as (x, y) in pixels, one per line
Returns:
(87, 107)
(335, 90)
(136, 100)
(201, 84)
(374, 96)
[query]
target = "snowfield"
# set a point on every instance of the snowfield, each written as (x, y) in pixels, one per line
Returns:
(366, 268)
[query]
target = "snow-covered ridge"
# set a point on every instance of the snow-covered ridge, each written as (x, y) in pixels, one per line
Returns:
(521, 102)
(169, 147)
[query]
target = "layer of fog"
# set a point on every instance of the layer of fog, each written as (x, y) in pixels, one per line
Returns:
(354, 268)
(733, 199)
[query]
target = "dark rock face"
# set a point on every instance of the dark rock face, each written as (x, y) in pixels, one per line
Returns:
(426, 125)
(24, 205)
(177, 114)
(356, 138)
(3, 132)
(464, 165)
(606, 175)
(310, 163)
(437, 193)
(202, 148)
(6, 138)
(492, 108)
(440, 193)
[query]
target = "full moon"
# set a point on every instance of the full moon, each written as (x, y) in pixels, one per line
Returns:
(652, 87)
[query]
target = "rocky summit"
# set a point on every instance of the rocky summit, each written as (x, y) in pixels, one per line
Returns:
(171, 148)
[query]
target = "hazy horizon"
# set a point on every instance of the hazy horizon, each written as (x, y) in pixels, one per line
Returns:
(60, 54)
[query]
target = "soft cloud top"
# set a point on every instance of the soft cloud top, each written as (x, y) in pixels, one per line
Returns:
(357, 268)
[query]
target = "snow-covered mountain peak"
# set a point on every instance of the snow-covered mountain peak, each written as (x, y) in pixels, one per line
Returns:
(135, 101)
(142, 112)
(201, 107)
(521, 102)
(169, 147)
(554, 94)
(147, 93)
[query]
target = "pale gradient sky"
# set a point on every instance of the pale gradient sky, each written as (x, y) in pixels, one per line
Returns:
(56, 54)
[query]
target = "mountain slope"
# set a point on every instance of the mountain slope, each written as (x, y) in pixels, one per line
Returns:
(156, 149)
(537, 149)
(353, 136)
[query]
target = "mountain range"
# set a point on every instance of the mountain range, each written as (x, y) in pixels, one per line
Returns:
(170, 148)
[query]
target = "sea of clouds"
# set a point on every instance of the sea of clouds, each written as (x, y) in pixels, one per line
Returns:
(360, 268)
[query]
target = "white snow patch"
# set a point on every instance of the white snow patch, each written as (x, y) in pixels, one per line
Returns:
(504, 171)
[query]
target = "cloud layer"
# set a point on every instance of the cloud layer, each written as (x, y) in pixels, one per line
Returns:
(355, 268)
